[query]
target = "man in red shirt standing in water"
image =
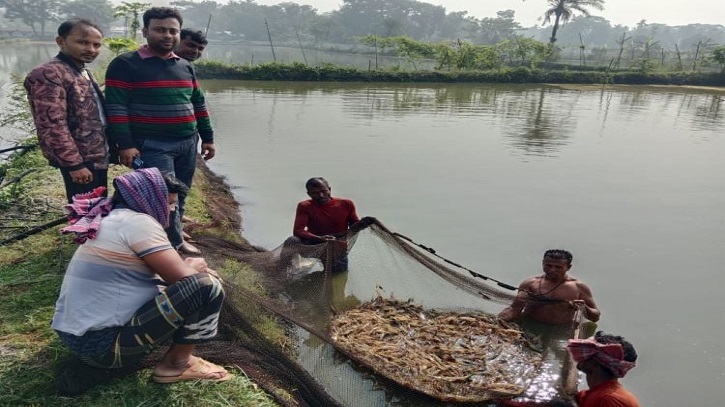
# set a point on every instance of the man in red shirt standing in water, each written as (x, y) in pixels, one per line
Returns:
(323, 219)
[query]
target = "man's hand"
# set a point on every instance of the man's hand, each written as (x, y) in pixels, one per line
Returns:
(197, 263)
(507, 314)
(82, 176)
(213, 273)
(207, 151)
(200, 265)
(362, 224)
(577, 303)
(126, 156)
(590, 313)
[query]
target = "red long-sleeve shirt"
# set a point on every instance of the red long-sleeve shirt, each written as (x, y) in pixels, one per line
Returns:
(312, 219)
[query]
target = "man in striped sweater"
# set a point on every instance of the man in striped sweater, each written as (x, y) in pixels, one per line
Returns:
(156, 110)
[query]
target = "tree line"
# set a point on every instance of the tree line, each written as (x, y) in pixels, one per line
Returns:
(564, 21)
(568, 24)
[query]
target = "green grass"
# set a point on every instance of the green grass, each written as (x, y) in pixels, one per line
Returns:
(31, 272)
(30, 275)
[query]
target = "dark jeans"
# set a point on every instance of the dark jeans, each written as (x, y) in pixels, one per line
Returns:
(179, 158)
(100, 179)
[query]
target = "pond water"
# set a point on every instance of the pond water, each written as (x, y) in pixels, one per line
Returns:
(19, 57)
(627, 178)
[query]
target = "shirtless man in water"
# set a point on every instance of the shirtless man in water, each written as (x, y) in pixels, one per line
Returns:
(564, 292)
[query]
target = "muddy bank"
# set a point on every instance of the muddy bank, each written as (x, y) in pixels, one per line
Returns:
(240, 342)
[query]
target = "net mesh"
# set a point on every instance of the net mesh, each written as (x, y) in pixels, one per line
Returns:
(375, 319)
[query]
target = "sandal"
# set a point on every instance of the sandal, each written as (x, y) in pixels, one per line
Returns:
(200, 369)
(188, 248)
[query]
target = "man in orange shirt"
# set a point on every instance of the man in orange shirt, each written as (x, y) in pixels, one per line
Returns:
(604, 358)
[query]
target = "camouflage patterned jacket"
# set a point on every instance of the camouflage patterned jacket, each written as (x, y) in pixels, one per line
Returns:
(66, 114)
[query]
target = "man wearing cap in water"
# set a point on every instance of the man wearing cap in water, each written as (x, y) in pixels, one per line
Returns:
(604, 359)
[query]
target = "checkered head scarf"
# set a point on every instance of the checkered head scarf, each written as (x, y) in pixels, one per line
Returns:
(609, 355)
(144, 190)
(85, 214)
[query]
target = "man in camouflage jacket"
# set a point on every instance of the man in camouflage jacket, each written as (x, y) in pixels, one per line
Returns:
(67, 107)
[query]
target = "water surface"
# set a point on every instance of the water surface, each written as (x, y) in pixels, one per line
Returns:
(627, 178)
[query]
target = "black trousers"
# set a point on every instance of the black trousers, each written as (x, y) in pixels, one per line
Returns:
(100, 179)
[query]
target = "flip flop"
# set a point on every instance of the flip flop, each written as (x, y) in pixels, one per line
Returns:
(199, 370)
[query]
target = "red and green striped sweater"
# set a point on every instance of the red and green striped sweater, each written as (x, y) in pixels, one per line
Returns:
(150, 97)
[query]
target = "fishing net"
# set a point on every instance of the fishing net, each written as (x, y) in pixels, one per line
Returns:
(374, 319)
(369, 319)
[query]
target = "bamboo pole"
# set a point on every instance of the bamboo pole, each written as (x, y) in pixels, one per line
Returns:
(34, 230)
(679, 57)
(23, 147)
(697, 53)
(301, 48)
(269, 35)
(208, 23)
(17, 178)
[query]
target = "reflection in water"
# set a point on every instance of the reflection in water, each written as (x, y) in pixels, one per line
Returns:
(21, 57)
(477, 172)
(707, 110)
(18, 58)
(605, 103)
(532, 124)
(538, 129)
(538, 120)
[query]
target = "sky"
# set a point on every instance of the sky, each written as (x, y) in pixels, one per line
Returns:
(624, 12)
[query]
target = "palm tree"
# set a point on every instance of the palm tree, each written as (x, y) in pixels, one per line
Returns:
(564, 10)
(118, 45)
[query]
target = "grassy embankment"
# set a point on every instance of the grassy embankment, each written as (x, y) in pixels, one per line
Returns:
(30, 275)
(300, 72)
